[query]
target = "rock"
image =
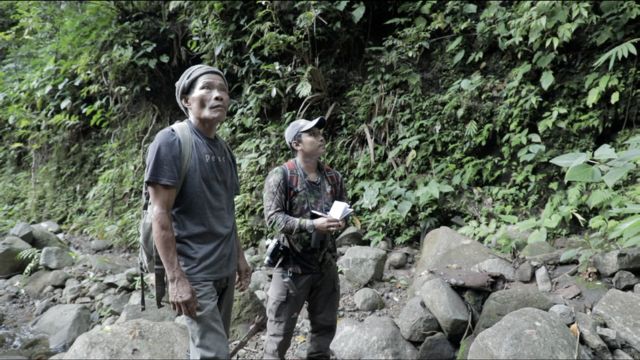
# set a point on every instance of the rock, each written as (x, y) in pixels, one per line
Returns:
(447, 306)
(503, 302)
(23, 231)
(564, 313)
(375, 338)
(350, 236)
(96, 289)
(621, 312)
(537, 249)
(72, 290)
(50, 226)
(543, 280)
(120, 281)
(362, 264)
(43, 238)
(260, 280)
(108, 263)
(99, 245)
(246, 309)
(444, 247)
(346, 286)
(133, 310)
(55, 258)
(134, 339)
(436, 347)
(613, 261)
(63, 324)
(10, 247)
(636, 289)
(415, 320)
(568, 292)
(621, 355)
(39, 280)
(499, 266)
(624, 280)
(114, 304)
(397, 260)
(589, 334)
(367, 299)
(525, 334)
(609, 336)
(524, 272)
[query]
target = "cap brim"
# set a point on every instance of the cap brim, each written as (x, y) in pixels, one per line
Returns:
(316, 123)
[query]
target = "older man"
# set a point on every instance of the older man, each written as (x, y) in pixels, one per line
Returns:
(194, 229)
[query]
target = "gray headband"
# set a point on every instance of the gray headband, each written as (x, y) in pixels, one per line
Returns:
(189, 76)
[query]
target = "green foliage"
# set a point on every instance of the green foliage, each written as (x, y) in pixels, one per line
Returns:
(439, 113)
(32, 257)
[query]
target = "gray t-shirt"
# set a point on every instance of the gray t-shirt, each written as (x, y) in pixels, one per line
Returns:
(204, 210)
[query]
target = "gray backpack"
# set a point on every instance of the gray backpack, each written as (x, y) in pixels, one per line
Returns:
(148, 257)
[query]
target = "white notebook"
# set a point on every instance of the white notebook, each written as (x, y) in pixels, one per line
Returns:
(339, 210)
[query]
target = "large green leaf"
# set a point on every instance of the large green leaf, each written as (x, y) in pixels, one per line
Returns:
(615, 174)
(546, 79)
(583, 173)
(537, 236)
(605, 152)
(570, 159)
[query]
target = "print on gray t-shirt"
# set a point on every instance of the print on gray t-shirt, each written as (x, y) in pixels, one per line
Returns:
(204, 209)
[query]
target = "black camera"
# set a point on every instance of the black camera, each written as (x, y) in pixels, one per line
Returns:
(275, 250)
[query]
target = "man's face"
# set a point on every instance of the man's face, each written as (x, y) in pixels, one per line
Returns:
(209, 99)
(311, 143)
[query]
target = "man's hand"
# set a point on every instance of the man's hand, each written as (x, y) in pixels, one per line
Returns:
(243, 278)
(183, 297)
(328, 224)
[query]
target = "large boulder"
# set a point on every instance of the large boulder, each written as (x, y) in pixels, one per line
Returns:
(23, 231)
(368, 299)
(136, 339)
(624, 259)
(375, 338)
(349, 237)
(525, 334)
(55, 258)
(436, 347)
(362, 264)
(447, 306)
(63, 324)
(443, 248)
(621, 312)
(10, 247)
(133, 310)
(43, 238)
(501, 303)
(415, 320)
(246, 309)
(39, 280)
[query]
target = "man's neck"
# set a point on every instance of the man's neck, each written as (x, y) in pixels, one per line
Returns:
(308, 164)
(208, 128)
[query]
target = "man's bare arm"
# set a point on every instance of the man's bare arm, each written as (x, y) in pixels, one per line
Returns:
(181, 295)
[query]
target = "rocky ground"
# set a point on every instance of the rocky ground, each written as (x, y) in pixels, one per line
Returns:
(452, 297)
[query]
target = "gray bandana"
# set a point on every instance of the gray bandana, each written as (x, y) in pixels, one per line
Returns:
(189, 76)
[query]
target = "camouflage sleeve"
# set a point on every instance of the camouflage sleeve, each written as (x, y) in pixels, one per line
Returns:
(275, 205)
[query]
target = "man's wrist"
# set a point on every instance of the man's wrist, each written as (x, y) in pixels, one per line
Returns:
(309, 226)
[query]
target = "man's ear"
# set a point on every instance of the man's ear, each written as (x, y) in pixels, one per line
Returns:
(185, 101)
(296, 145)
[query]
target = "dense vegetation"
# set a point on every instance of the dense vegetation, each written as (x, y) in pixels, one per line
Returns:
(486, 116)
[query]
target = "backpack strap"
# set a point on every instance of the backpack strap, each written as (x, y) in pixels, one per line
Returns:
(293, 179)
(182, 129)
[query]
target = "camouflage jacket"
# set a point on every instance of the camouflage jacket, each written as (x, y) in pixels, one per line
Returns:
(288, 211)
